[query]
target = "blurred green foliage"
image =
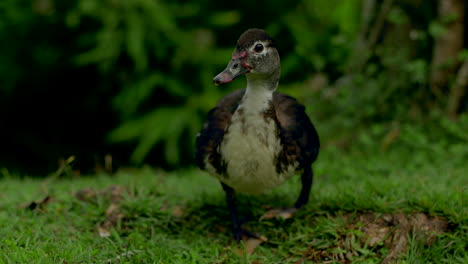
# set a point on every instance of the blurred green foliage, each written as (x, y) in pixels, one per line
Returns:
(150, 63)
(170, 57)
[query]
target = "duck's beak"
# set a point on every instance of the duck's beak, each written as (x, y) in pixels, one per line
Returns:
(235, 68)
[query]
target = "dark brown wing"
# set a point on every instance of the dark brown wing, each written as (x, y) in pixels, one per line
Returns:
(298, 136)
(212, 134)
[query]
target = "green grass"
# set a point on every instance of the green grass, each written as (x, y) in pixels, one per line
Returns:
(181, 217)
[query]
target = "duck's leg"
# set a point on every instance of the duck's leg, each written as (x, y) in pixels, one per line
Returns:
(232, 206)
(303, 198)
(237, 229)
(306, 179)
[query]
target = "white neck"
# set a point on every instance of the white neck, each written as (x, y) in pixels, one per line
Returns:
(258, 95)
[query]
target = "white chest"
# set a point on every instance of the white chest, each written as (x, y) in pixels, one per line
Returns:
(250, 148)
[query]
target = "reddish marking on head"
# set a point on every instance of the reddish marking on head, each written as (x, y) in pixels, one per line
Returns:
(245, 65)
(242, 55)
(236, 55)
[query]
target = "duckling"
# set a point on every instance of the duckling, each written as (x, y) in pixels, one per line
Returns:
(256, 138)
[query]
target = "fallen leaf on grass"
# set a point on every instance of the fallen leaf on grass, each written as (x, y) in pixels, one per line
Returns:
(283, 213)
(299, 261)
(420, 223)
(86, 194)
(113, 216)
(103, 231)
(249, 245)
(177, 211)
(114, 194)
(388, 230)
(38, 204)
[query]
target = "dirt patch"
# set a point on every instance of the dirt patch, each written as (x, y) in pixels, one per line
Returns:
(374, 234)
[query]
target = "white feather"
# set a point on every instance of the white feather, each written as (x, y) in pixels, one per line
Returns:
(251, 145)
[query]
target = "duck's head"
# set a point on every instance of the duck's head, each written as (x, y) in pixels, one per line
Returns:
(256, 56)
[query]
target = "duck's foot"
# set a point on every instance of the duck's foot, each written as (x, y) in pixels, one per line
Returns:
(283, 213)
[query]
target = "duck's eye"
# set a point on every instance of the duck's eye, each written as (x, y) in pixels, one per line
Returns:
(258, 48)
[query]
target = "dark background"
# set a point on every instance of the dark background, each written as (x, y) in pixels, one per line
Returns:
(132, 80)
